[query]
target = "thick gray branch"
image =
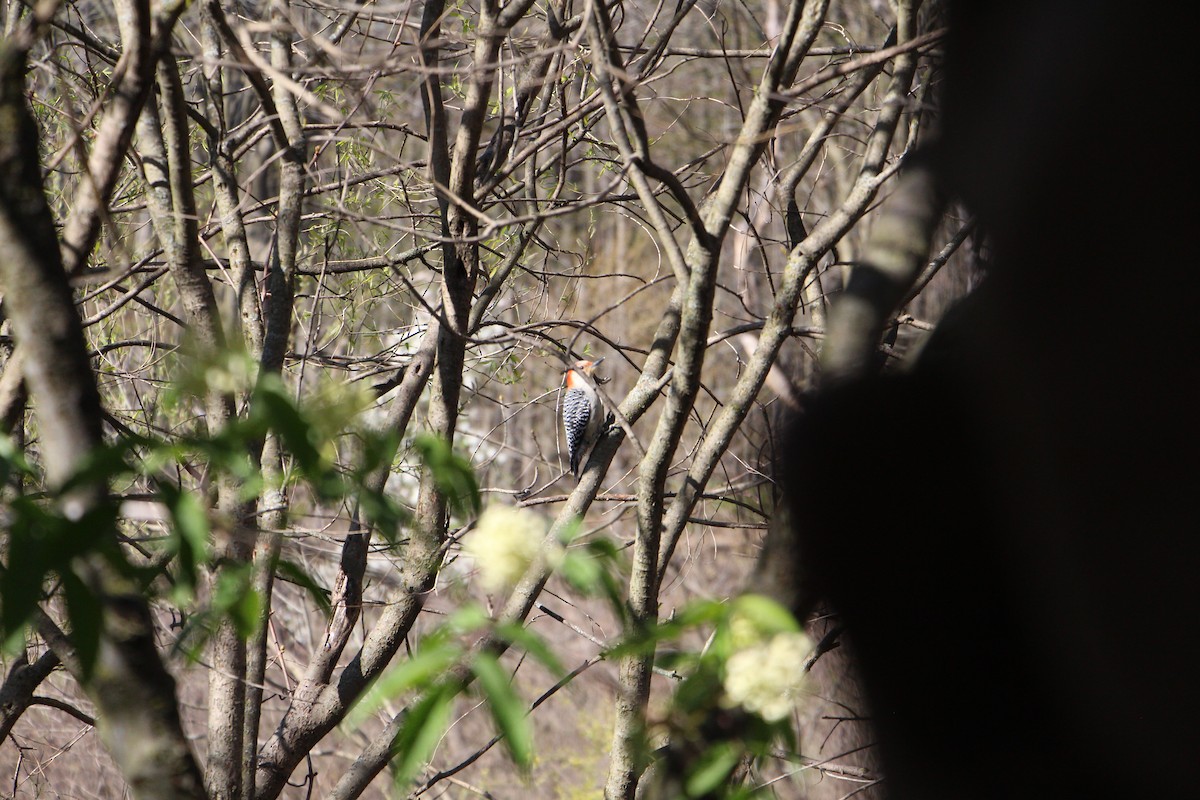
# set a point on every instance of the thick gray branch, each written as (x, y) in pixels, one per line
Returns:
(16, 694)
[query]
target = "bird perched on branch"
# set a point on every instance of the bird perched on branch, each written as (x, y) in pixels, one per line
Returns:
(582, 412)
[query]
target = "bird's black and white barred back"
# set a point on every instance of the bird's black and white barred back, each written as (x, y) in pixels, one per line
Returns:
(582, 412)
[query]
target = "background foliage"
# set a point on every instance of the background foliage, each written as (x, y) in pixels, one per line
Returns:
(329, 261)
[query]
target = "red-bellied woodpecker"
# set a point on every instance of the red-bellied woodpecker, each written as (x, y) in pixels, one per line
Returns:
(582, 413)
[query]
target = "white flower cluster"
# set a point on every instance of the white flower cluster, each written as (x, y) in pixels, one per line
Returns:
(504, 543)
(766, 678)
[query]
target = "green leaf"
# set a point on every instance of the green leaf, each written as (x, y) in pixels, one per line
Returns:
(190, 534)
(197, 629)
(420, 733)
(697, 614)
(452, 474)
(300, 577)
(699, 691)
(286, 420)
(582, 571)
(594, 570)
(378, 451)
(508, 710)
(712, 769)
(681, 661)
(12, 459)
(21, 582)
(99, 465)
(467, 619)
(767, 615)
(385, 513)
(234, 597)
(84, 612)
(571, 530)
(14, 644)
(418, 672)
(247, 613)
(531, 643)
(227, 453)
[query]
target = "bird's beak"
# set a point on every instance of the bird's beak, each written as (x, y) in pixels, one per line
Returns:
(596, 363)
